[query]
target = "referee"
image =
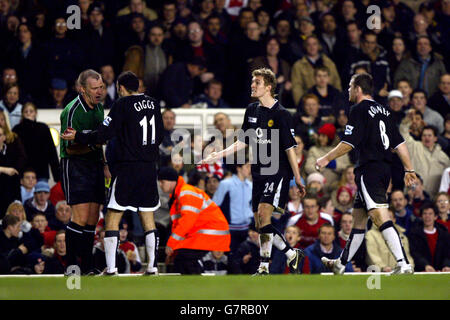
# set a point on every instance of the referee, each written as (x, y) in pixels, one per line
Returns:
(83, 170)
(135, 119)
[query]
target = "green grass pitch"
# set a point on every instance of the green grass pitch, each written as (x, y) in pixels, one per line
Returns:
(276, 287)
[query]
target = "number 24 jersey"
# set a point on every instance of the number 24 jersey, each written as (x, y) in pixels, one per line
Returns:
(371, 132)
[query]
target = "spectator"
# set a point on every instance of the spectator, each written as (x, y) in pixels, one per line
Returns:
(427, 156)
(206, 9)
(440, 101)
(326, 205)
(309, 221)
(445, 181)
(64, 57)
(283, 34)
(214, 33)
(58, 98)
(417, 197)
(422, 28)
(280, 67)
(294, 205)
(97, 37)
(302, 76)
(211, 185)
(16, 209)
(169, 14)
(130, 249)
(278, 265)
(177, 82)
(165, 148)
(38, 143)
(307, 123)
(156, 59)
(234, 196)
(137, 32)
(40, 236)
(395, 101)
(215, 262)
(246, 259)
(315, 184)
(138, 6)
(348, 53)
(404, 216)
(27, 183)
(264, 20)
(441, 201)
(346, 225)
(423, 69)
(378, 253)
(331, 99)
(343, 203)
(348, 179)
(10, 104)
(405, 88)
(430, 243)
(417, 124)
(57, 262)
(324, 246)
(212, 97)
(397, 54)
(374, 58)
(9, 76)
(306, 29)
(12, 161)
(62, 216)
(301, 154)
(134, 61)
(12, 251)
(26, 57)
(325, 143)
(329, 35)
(431, 117)
(40, 203)
(107, 72)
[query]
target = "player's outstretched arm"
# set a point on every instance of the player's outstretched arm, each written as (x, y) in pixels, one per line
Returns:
(214, 156)
(341, 149)
(403, 154)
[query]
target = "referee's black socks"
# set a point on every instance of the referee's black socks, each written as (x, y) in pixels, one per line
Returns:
(87, 260)
(74, 238)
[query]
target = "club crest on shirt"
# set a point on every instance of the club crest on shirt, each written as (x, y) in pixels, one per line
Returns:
(107, 121)
(270, 123)
(252, 119)
(348, 130)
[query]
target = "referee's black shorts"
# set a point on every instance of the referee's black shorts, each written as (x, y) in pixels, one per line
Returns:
(83, 181)
(273, 189)
(135, 187)
(372, 180)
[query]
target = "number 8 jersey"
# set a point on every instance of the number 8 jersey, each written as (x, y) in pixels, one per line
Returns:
(371, 132)
(136, 121)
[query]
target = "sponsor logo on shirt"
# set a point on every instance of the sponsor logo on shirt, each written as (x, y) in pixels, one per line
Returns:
(252, 119)
(107, 121)
(348, 130)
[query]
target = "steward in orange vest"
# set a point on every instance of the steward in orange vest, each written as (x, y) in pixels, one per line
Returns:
(198, 224)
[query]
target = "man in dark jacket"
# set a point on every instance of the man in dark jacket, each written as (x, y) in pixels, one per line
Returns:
(325, 246)
(40, 203)
(430, 243)
(440, 100)
(177, 83)
(12, 252)
(246, 258)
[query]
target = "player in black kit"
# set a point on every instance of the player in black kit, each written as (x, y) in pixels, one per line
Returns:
(135, 119)
(268, 129)
(371, 131)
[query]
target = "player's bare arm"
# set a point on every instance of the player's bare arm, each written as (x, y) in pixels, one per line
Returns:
(403, 154)
(214, 156)
(341, 149)
(292, 157)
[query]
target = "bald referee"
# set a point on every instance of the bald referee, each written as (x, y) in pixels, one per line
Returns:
(135, 119)
(83, 170)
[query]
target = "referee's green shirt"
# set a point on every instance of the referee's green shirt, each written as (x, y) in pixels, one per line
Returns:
(79, 116)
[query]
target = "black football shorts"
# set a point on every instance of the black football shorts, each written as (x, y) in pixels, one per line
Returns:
(135, 187)
(273, 189)
(372, 180)
(83, 181)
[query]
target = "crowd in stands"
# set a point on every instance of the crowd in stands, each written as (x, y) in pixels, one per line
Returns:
(199, 54)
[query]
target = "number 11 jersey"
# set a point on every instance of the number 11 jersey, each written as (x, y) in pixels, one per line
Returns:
(371, 132)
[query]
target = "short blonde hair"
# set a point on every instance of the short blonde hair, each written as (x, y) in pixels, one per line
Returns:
(269, 78)
(17, 205)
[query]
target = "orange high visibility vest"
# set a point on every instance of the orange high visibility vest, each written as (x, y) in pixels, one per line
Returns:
(197, 221)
